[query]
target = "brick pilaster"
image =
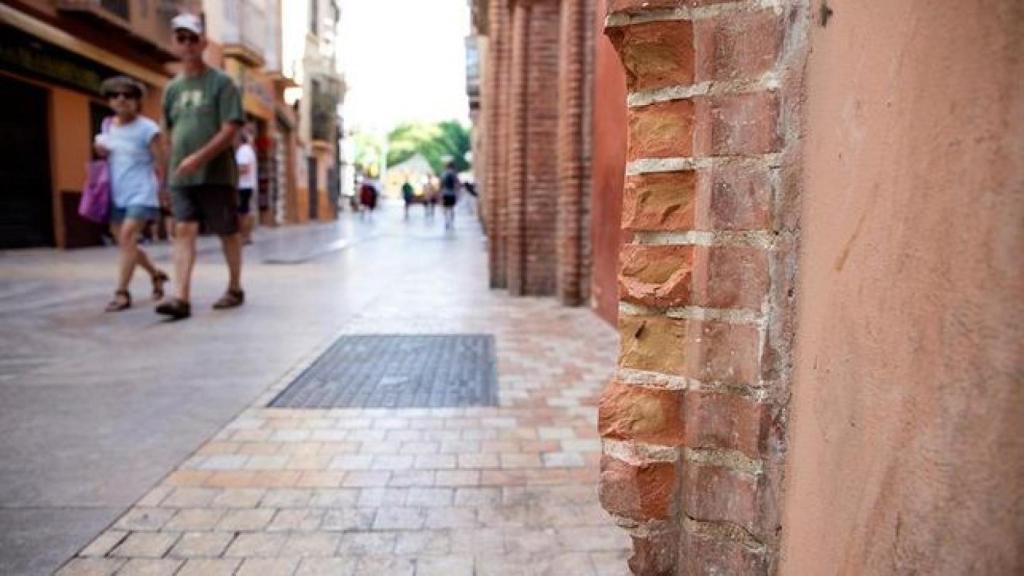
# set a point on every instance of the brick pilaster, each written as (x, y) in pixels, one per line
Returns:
(515, 229)
(694, 424)
(496, 119)
(571, 167)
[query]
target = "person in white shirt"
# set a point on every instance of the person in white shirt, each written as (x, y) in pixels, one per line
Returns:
(245, 157)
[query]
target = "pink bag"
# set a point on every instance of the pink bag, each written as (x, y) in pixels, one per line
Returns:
(95, 204)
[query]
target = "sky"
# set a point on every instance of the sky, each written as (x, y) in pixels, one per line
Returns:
(403, 60)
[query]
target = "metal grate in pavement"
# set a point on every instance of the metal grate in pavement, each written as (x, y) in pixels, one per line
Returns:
(398, 371)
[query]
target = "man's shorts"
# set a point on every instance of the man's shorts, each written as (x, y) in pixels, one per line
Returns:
(244, 201)
(213, 205)
(448, 200)
(135, 212)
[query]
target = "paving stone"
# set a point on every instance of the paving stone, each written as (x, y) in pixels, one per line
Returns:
(195, 519)
(268, 567)
(145, 545)
(399, 518)
(256, 545)
(238, 498)
(333, 498)
(103, 544)
(327, 567)
(429, 497)
(202, 544)
(451, 518)
(286, 498)
(386, 565)
(478, 541)
(348, 519)
(367, 543)
(144, 519)
(160, 567)
(477, 497)
(209, 567)
(318, 544)
(91, 567)
(423, 542)
(300, 519)
(444, 566)
(246, 520)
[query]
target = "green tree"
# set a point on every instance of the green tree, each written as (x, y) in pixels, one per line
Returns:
(438, 143)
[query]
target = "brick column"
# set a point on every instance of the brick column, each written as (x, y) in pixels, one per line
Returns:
(515, 256)
(570, 154)
(694, 423)
(496, 119)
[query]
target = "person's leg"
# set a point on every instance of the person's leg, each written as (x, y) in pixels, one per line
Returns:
(185, 234)
(232, 246)
(128, 242)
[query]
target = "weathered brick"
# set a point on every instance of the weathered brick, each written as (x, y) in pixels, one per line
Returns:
(654, 343)
(639, 6)
(701, 555)
(662, 130)
(651, 415)
(659, 201)
(730, 277)
(726, 421)
(737, 125)
(643, 492)
(658, 276)
(721, 352)
(656, 54)
(733, 196)
(737, 46)
(654, 554)
(719, 494)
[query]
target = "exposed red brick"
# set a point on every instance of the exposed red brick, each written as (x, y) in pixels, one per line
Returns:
(730, 277)
(737, 125)
(661, 130)
(726, 421)
(654, 554)
(733, 197)
(737, 46)
(654, 343)
(650, 415)
(656, 54)
(659, 201)
(718, 494)
(657, 276)
(721, 352)
(701, 556)
(638, 6)
(640, 493)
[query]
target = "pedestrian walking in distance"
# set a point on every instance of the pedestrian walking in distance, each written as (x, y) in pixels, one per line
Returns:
(449, 194)
(248, 172)
(408, 196)
(134, 150)
(202, 114)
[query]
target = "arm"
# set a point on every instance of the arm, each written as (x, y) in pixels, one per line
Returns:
(220, 142)
(158, 150)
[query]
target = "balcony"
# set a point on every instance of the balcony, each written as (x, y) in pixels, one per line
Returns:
(326, 95)
(245, 34)
(146, 24)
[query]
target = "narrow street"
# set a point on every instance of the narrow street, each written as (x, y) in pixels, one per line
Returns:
(146, 447)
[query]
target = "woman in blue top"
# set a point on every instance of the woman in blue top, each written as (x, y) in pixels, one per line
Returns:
(133, 147)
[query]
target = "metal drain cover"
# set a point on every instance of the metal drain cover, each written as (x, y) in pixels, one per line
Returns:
(398, 371)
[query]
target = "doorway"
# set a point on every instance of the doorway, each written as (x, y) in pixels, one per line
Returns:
(26, 206)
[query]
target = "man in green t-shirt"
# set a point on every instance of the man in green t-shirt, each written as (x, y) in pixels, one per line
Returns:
(202, 112)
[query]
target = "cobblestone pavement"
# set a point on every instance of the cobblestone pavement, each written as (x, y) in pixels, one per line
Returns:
(454, 491)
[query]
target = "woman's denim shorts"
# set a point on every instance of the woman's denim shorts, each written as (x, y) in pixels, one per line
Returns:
(135, 212)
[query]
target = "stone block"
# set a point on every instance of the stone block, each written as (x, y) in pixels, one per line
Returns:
(731, 277)
(641, 493)
(726, 421)
(737, 125)
(665, 129)
(737, 46)
(655, 54)
(656, 276)
(659, 201)
(630, 412)
(653, 343)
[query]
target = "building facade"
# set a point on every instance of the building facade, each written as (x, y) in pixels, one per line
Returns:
(53, 56)
(749, 163)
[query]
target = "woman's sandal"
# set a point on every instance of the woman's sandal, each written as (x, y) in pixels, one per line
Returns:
(159, 279)
(122, 301)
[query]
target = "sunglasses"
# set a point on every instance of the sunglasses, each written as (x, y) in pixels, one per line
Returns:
(125, 95)
(186, 38)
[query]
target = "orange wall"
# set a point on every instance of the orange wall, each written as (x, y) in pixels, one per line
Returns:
(607, 172)
(907, 417)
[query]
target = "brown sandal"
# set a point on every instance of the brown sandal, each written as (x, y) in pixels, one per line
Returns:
(230, 299)
(176, 308)
(122, 301)
(159, 279)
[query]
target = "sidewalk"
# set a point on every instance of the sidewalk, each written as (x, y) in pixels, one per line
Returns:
(495, 490)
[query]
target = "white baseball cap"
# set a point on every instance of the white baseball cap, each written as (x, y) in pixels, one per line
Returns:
(189, 22)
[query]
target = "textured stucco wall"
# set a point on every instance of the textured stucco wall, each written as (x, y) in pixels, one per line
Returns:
(907, 417)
